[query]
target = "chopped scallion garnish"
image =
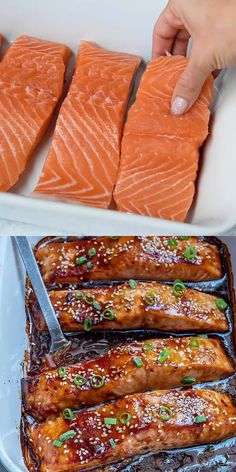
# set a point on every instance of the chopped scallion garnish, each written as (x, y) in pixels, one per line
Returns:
(81, 260)
(190, 253)
(149, 298)
(67, 435)
(147, 346)
(68, 414)
(110, 421)
(97, 381)
(200, 419)
(112, 443)
(194, 343)
(57, 443)
(179, 288)
(138, 361)
(62, 372)
(132, 283)
(163, 355)
(79, 380)
(188, 380)
(89, 298)
(87, 324)
(92, 252)
(125, 418)
(108, 314)
(173, 243)
(221, 304)
(165, 413)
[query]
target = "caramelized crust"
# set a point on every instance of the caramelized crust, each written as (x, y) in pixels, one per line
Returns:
(131, 368)
(148, 258)
(189, 417)
(194, 311)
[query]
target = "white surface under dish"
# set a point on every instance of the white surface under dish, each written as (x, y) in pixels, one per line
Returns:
(13, 343)
(126, 26)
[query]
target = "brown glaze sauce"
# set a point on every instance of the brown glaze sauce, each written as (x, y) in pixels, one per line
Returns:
(219, 457)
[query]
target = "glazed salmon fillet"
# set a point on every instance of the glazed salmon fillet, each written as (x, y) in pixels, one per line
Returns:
(136, 424)
(129, 257)
(160, 151)
(82, 163)
(31, 78)
(146, 305)
(131, 368)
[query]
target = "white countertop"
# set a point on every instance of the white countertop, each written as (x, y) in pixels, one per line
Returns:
(8, 227)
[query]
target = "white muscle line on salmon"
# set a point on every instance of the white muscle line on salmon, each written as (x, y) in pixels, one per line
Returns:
(92, 132)
(20, 119)
(90, 161)
(16, 120)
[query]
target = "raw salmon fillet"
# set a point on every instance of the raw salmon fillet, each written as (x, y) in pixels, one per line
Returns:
(82, 163)
(160, 152)
(31, 82)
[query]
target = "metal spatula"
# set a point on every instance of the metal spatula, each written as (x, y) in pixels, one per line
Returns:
(59, 344)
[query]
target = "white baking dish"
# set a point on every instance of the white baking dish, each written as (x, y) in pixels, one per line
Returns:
(126, 26)
(13, 343)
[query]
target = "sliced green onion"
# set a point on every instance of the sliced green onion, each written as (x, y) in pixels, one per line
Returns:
(125, 418)
(108, 314)
(81, 260)
(147, 346)
(138, 361)
(173, 243)
(183, 238)
(115, 237)
(97, 381)
(112, 443)
(89, 265)
(163, 355)
(179, 288)
(132, 283)
(165, 413)
(89, 298)
(57, 443)
(68, 414)
(62, 372)
(88, 324)
(110, 421)
(149, 298)
(79, 295)
(221, 304)
(92, 252)
(79, 380)
(97, 306)
(194, 343)
(188, 380)
(67, 435)
(203, 336)
(200, 419)
(190, 253)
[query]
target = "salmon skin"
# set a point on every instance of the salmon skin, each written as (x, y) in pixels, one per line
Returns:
(82, 163)
(131, 368)
(137, 424)
(129, 257)
(160, 151)
(146, 305)
(31, 82)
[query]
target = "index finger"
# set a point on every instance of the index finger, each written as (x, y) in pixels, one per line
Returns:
(163, 35)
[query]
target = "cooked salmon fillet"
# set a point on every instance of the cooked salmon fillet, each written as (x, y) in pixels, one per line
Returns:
(136, 424)
(31, 82)
(131, 368)
(130, 306)
(160, 151)
(82, 163)
(129, 257)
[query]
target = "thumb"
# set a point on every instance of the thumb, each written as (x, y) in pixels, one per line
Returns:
(189, 86)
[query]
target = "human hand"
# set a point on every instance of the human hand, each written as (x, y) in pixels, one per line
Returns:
(212, 26)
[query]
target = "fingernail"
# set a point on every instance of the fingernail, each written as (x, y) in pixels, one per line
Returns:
(179, 106)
